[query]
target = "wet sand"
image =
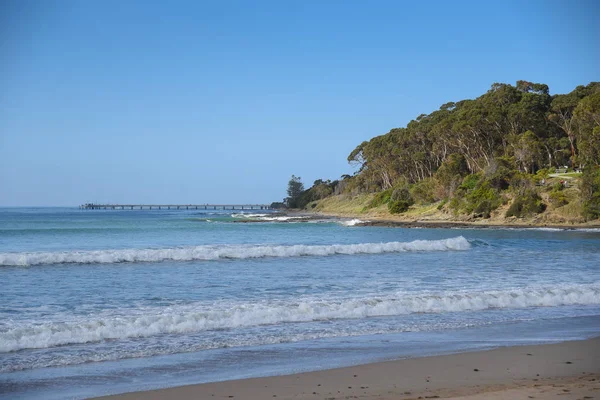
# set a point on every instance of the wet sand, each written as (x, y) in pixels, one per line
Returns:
(568, 370)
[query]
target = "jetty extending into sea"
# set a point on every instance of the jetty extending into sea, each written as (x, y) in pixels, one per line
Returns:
(97, 206)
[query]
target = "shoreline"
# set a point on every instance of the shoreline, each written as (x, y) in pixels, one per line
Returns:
(404, 222)
(570, 369)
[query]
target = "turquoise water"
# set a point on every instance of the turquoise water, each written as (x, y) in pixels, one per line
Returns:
(97, 302)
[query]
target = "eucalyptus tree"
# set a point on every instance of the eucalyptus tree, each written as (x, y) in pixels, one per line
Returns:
(587, 122)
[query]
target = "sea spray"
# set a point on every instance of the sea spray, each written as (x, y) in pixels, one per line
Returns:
(218, 252)
(352, 222)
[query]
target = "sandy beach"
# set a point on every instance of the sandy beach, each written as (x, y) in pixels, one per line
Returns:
(570, 370)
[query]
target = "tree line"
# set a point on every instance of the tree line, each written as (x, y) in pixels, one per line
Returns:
(523, 122)
(499, 138)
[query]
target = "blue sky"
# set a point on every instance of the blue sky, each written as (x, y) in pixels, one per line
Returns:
(222, 101)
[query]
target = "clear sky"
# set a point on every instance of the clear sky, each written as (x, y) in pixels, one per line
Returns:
(222, 101)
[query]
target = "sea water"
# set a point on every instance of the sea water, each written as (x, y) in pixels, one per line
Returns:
(96, 302)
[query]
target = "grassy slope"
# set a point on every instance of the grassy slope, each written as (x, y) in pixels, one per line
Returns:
(355, 206)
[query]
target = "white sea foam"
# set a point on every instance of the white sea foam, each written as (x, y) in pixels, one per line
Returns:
(184, 319)
(243, 215)
(268, 217)
(225, 252)
(352, 222)
(281, 219)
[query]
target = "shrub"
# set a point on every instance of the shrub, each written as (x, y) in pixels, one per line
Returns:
(526, 204)
(400, 200)
(558, 198)
(590, 191)
(476, 195)
(380, 198)
(484, 208)
(402, 193)
(398, 206)
(543, 173)
(456, 203)
(470, 181)
(484, 198)
(423, 191)
(442, 204)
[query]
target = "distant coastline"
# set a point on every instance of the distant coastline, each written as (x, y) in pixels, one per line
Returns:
(492, 160)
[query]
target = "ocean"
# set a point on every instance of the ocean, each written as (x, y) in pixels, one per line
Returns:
(95, 302)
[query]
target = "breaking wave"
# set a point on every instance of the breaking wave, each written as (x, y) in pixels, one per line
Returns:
(269, 217)
(353, 222)
(191, 318)
(218, 252)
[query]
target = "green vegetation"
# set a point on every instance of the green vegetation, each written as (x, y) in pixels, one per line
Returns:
(380, 199)
(526, 204)
(294, 192)
(400, 200)
(397, 207)
(558, 198)
(590, 188)
(300, 198)
(478, 194)
(277, 205)
(474, 157)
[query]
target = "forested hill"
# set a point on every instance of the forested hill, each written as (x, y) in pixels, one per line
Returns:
(476, 155)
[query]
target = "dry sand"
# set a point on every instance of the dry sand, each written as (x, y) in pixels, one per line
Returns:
(569, 370)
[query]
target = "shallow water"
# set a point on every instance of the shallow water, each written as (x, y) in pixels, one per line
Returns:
(96, 302)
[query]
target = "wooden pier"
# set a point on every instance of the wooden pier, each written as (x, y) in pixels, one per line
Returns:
(96, 206)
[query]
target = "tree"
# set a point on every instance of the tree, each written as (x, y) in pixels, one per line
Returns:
(563, 107)
(294, 191)
(508, 127)
(562, 115)
(590, 192)
(587, 120)
(527, 151)
(450, 174)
